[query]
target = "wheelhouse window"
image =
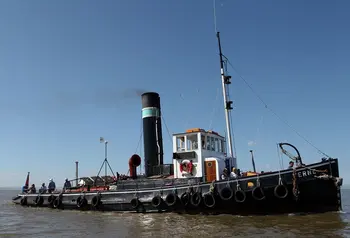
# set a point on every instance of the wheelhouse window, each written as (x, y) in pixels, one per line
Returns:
(212, 143)
(220, 145)
(180, 143)
(192, 142)
(208, 142)
(216, 144)
(223, 149)
(203, 142)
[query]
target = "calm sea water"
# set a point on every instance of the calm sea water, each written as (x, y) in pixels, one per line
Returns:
(17, 221)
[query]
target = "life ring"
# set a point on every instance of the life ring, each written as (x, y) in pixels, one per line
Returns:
(209, 200)
(185, 199)
(258, 193)
(57, 202)
(157, 201)
(281, 191)
(39, 200)
(240, 196)
(171, 199)
(96, 201)
(196, 199)
(51, 199)
(135, 203)
(23, 201)
(226, 193)
(81, 202)
(186, 167)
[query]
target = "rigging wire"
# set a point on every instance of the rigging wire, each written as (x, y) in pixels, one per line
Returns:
(141, 134)
(166, 127)
(273, 112)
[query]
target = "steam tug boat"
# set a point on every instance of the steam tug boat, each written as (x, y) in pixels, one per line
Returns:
(193, 183)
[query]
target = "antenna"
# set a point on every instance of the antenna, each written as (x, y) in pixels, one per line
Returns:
(214, 6)
(105, 163)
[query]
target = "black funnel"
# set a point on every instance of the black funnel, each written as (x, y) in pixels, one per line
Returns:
(152, 132)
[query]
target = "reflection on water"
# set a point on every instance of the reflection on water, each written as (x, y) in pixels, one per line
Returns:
(43, 222)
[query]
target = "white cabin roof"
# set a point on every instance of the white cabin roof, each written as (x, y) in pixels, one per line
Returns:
(199, 130)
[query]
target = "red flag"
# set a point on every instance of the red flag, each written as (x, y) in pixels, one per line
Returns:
(27, 181)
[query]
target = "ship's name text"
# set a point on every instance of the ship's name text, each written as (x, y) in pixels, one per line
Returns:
(306, 173)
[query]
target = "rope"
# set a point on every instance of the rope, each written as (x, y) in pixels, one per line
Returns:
(274, 113)
(279, 171)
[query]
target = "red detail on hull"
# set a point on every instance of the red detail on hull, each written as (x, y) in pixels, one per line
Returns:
(85, 189)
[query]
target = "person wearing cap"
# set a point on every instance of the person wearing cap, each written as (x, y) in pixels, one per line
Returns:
(67, 184)
(52, 186)
(224, 174)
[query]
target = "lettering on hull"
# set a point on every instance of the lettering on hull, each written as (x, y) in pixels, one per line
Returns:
(306, 173)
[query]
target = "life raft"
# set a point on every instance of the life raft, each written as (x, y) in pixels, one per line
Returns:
(186, 167)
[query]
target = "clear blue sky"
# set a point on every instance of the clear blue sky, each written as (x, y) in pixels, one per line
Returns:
(70, 72)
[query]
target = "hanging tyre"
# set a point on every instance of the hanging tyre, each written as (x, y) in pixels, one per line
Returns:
(196, 199)
(281, 191)
(39, 200)
(57, 203)
(209, 200)
(240, 196)
(171, 199)
(81, 202)
(96, 201)
(157, 201)
(23, 201)
(51, 199)
(226, 193)
(258, 193)
(185, 199)
(135, 203)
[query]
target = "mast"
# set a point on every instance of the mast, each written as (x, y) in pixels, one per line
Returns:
(225, 81)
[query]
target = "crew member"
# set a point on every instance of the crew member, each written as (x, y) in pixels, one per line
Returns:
(32, 189)
(291, 165)
(224, 174)
(67, 184)
(233, 173)
(52, 186)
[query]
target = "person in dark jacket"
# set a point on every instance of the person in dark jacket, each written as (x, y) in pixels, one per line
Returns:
(52, 186)
(67, 184)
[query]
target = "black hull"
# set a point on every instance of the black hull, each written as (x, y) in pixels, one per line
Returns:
(308, 193)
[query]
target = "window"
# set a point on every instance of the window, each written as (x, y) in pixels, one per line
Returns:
(203, 142)
(212, 143)
(216, 144)
(223, 146)
(192, 142)
(220, 145)
(208, 142)
(180, 143)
